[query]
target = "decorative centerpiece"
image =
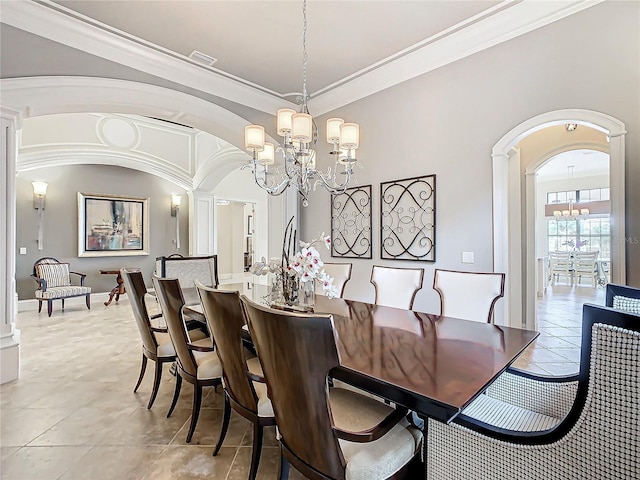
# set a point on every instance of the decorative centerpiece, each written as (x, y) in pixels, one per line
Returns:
(296, 272)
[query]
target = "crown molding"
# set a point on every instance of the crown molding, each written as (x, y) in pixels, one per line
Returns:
(509, 20)
(503, 22)
(41, 19)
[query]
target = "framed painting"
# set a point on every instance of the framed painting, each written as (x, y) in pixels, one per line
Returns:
(112, 225)
(351, 223)
(408, 219)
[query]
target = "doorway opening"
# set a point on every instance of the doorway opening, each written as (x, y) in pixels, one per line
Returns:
(235, 239)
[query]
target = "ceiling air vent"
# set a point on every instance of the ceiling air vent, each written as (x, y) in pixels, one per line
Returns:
(202, 58)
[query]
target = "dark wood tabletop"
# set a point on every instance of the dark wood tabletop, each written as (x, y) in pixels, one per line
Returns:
(430, 364)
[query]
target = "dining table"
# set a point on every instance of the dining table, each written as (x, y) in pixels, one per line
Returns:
(428, 363)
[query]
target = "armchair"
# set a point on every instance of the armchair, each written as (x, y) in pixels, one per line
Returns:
(531, 427)
(54, 283)
(622, 297)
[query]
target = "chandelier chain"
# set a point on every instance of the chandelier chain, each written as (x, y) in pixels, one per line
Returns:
(304, 53)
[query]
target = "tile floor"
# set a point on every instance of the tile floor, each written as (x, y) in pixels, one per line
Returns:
(73, 416)
(557, 350)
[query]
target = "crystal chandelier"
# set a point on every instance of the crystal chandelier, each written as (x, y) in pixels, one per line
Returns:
(300, 135)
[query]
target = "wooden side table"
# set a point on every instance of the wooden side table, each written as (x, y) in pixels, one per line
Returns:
(119, 288)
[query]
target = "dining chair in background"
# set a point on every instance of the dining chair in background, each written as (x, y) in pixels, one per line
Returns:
(341, 274)
(396, 287)
(189, 269)
(585, 265)
(196, 362)
(325, 433)
(529, 426)
(468, 295)
(247, 396)
(560, 265)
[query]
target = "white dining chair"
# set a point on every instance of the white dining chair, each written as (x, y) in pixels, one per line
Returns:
(396, 287)
(468, 295)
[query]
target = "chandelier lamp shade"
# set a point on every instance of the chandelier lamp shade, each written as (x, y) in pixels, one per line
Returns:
(571, 213)
(299, 137)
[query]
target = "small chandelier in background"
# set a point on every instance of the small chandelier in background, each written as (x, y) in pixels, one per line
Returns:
(572, 213)
(300, 135)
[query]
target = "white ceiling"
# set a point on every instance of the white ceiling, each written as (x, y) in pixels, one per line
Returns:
(355, 48)
(586, 163)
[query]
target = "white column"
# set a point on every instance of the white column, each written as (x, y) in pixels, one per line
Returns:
(529, 320)
(9, 336)
(201, 223)
(618, 269)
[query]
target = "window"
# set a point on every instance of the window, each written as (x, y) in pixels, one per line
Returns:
(586, 234)
(579, 196)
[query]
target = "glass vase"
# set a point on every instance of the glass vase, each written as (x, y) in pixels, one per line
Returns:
(290, 286)
(307, 295)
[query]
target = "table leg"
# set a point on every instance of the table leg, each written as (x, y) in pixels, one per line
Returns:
(113, 292)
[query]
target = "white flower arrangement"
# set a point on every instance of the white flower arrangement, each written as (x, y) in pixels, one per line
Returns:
(305, 264)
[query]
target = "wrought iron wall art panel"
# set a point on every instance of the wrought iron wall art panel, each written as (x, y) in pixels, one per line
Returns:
(351, 223)
(408, 219)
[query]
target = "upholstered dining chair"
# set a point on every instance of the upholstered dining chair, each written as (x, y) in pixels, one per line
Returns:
(245, 392)
(396, 287)
(623, 297)
(54, 283)
(531, 427)
(325, 433)
(156, 344)
(196, 363)
(341, 274)
(468, 295)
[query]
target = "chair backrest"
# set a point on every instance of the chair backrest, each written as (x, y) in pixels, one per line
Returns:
(189, 269)
(396, 287)
(607, 380)
(136, 291)
(225, 319)
(341, 274)
(171, 302)
(468, 295)
(622, 297)
(55, 274)
(560, 260)
(297, 351)
(585, 262)
(43, 260)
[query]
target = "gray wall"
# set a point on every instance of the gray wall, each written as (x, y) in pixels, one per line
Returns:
(446, 123)
(61, 221)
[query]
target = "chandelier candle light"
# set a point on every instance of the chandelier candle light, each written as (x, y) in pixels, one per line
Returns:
(300, 134)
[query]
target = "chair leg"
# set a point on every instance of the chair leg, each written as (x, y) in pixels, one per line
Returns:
(176, 394)
(63, 304)
(284, 467)
(156, 384)
(88, 301)
(197, 400)
(39, 306)
(256, 451)
(143, 368)
(226, 415)
(49, 307)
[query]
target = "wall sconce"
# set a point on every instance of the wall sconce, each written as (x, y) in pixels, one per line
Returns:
(176, 200)
(39, 197)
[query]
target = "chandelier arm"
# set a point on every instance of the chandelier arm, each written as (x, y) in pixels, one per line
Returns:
(335, 187)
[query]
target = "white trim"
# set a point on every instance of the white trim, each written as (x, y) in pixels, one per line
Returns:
(508, 193)
(495, 25)
(36, 96)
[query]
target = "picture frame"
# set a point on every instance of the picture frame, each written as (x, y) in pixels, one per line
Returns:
(351, 227)
(112, 225)
(249, 224)
(408, 219)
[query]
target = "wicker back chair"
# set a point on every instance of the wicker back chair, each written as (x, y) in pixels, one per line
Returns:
(530, 427)
(622, 297)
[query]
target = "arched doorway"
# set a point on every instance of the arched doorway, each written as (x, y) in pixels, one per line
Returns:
(514, 207)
